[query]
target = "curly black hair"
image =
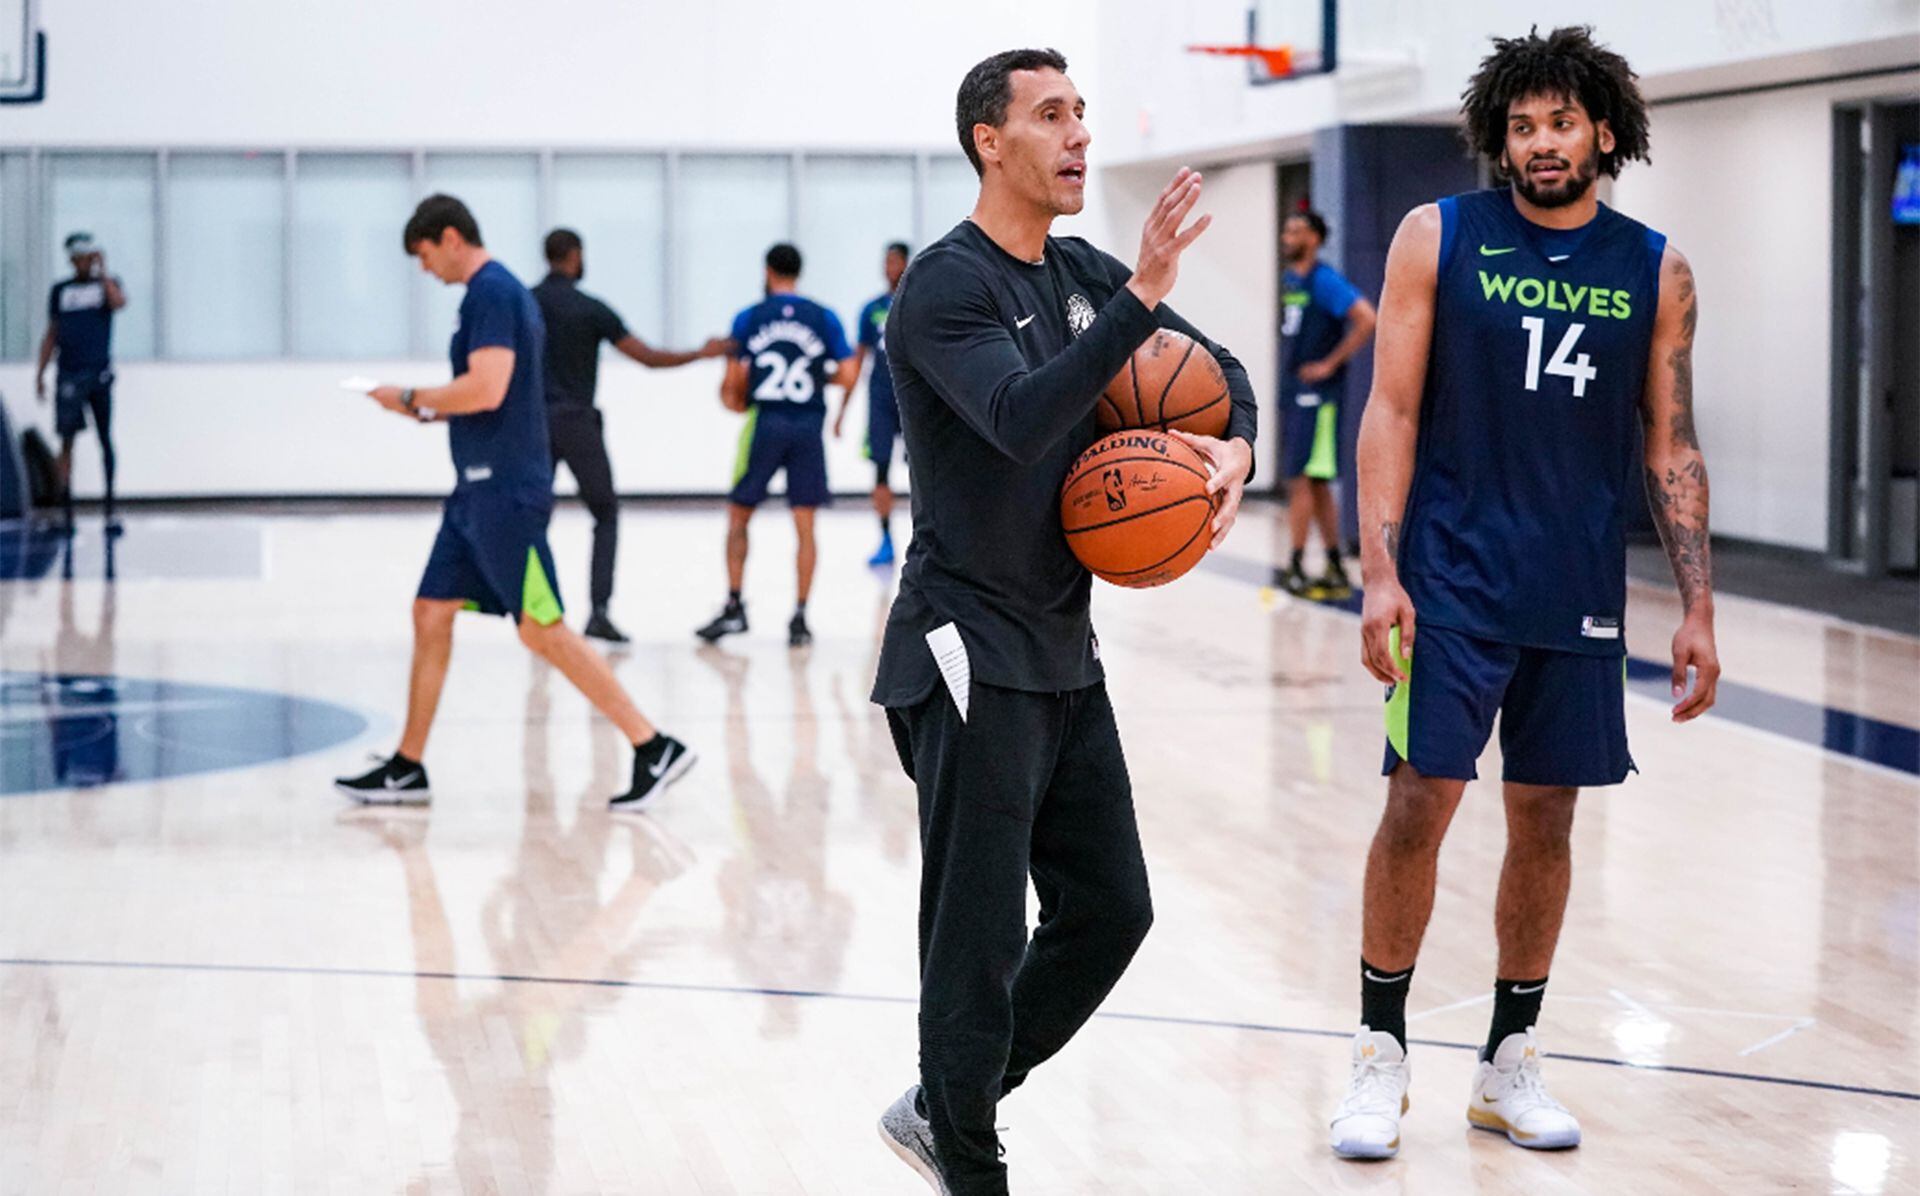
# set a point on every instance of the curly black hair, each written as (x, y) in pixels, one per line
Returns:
(1566, 62)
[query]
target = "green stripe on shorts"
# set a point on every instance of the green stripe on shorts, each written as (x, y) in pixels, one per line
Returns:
(1324, 464)
(537, 599)
(744, 453)
(1400, 704)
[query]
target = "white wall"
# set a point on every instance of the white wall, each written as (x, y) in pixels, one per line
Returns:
(737, 73)
(829, 75)
(1741, 186)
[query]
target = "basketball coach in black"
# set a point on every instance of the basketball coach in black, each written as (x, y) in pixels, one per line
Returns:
(1001, 339)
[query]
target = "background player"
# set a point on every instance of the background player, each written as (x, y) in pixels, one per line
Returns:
(1325, 320)
(786, 350)
(1002, 340)
(1523, 332)
(80, 327)
(491, 553)
(576, 325)
(883, 415)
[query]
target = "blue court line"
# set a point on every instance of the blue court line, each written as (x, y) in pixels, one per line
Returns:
(1889, 745)
(739, 990)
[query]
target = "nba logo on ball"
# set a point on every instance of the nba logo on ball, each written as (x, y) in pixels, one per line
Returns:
(1116, 496)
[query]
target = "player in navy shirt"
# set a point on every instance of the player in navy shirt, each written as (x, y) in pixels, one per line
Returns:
(787, 350)
(1324, 322)
(491, 554)
(80, 331)
(1526, 334)
(883, 414)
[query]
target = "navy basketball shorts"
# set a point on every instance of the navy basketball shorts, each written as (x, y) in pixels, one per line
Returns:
(1309, 436)
(74, 395)
(773, 442)
(883, 429)
(492, 554)
(1563, 719)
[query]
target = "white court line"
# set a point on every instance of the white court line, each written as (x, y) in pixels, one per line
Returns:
(1482, 999)
(1781, 1037)
(1634, 1006)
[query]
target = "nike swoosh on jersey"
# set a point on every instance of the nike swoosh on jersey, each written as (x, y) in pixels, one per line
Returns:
(1018, 324)
(1485, 252)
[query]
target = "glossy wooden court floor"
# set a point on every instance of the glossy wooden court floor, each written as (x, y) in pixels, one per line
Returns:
(222, 978)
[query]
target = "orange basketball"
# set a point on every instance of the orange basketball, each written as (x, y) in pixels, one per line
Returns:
(1136, 510)
(1169, 382)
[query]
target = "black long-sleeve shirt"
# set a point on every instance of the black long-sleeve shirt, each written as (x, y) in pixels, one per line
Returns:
(997, 367)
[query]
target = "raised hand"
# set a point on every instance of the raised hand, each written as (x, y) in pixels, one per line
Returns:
(1162, 240)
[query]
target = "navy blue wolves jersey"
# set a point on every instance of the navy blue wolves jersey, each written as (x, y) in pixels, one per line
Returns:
(792, 345)
(1514, 526)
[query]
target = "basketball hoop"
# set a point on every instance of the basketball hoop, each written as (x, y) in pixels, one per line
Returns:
(1275, 61)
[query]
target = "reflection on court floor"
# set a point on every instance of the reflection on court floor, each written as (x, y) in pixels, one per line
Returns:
(214, 976)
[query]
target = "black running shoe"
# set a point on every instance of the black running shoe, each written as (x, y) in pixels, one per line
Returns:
(731, 620)
(657, 763)
(1334, 581)
(799, 635)
(1294, 580)
(391, 783)
(599, 627)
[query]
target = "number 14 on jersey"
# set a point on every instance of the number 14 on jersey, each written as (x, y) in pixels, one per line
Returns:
(1580, 368)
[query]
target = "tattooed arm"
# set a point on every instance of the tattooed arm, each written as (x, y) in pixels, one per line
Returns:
(1677, 482)
(1388, 433)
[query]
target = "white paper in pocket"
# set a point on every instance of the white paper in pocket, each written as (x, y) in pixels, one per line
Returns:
(950, 653)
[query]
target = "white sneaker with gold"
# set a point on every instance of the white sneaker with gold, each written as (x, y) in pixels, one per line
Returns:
(1367, 1123)
(1510, 1097)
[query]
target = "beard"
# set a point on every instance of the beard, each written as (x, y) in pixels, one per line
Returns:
(1579, 180)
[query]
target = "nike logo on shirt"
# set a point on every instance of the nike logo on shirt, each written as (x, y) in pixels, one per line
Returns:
(1018, 324)
(1485, 252)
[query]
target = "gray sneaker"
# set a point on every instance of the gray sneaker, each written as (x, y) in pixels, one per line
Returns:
(908, 1135)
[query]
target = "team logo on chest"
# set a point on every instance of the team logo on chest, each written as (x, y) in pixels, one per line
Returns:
(1079, 313)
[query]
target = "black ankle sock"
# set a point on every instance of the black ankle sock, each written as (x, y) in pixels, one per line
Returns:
(1333, 557)
(1516, 1007)
(733, 597)
(1299, 561)
(404, 761)
(886, 527)
(1383, 1000)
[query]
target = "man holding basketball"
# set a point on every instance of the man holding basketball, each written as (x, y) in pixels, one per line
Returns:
(1001, 339)
(1524, 332)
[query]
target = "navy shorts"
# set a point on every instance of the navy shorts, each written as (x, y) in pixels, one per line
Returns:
(772, 442)
(883, 428)
(1563, 716)
(492, 554)
(1309, 436)
(74, 395)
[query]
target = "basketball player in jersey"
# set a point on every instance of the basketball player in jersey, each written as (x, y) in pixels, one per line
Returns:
(786, 350)
(883, 414)
(1523, 333)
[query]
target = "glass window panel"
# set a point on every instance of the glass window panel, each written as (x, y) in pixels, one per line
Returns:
(850, 208)
(112, 197)
(17, 319)
(618, 205)
(952, 188)
(729, 211)
(350, 275)
(226, 255)
(503, 193)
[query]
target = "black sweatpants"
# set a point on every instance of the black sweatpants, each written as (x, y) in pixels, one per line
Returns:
(1030, 785)
(575, 434)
